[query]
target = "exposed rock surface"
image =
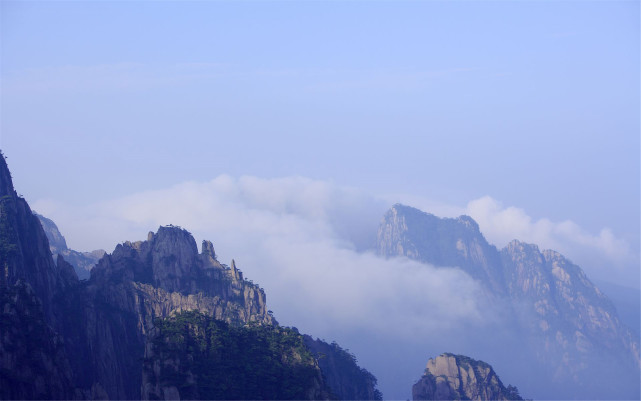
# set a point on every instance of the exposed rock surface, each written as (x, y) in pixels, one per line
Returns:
(457, 377)
(82, 262)
(33, 363)
(570, 325)
(406, 231)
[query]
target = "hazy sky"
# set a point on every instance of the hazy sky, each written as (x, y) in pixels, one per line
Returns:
(282, 131)
(532, 104)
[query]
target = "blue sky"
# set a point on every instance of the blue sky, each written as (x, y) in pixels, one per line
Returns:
(535, 104)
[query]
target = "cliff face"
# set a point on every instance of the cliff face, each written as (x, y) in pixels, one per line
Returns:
(82, 262)
(24, 248)
(33, 362)
(406, 231)
(111, 315)
(569, 324)
(114, 336)
(457, 377)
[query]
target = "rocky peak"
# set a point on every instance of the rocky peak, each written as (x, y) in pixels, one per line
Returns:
(458, 377)
(24, 248)
(6, 183)
(207, 248)
(57, 241)
(407, 231)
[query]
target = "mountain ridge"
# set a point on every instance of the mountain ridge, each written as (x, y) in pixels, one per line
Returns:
(568, 322)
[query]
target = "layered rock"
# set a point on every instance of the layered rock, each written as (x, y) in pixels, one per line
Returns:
(457, 377)
(82, 262)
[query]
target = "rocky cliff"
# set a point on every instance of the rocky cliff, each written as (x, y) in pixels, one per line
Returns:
(82, 262)
(104, 338)
(457, 377)
(110, 316)
(406, 231)
(571, 327)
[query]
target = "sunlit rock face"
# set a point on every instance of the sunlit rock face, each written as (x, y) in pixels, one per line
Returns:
(570, 327)
(457, 377)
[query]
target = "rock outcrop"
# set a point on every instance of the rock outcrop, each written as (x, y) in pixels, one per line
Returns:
(82, 262)
(457, 377)
(570, 326)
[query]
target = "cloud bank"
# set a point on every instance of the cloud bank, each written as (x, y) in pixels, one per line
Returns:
(308, 244)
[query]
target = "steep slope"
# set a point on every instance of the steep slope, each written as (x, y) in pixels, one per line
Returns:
(110, 316)
(62, 338)
(457, 377)
(191, 356)
(24, 248)
(406, 231)
(33, 362)
(347, 380)
(82, 262)
(570, 325)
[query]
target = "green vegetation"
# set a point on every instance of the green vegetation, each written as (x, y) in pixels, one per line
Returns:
(206, 358)
(340, 368)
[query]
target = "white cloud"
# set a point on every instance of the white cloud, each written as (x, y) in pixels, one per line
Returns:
(303, 241)
(502, 224)
(295, 237)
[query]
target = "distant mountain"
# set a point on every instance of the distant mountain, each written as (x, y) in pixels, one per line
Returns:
(155, 319)
(568, 324)
(82, 262)
(458, 377)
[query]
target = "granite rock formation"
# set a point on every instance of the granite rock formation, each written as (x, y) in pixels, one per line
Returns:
(571, 327)
(457, 377)
(65, 338)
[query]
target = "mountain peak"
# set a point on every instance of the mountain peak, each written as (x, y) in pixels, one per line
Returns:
(6, 183)
(457, 377)
(410, 232)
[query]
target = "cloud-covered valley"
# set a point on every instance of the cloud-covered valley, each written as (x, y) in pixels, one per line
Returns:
(309, 244)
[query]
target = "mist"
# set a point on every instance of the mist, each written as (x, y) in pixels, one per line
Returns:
(310, 245)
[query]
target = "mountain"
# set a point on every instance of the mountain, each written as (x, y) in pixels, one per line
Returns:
(567, 323)
(190, 356)
(156, 318)
(82, 262)
(347, 380)
(29, 283)
(458, 377)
